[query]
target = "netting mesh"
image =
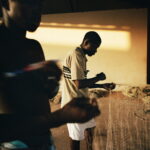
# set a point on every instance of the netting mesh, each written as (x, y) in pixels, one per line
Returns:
(125, 121)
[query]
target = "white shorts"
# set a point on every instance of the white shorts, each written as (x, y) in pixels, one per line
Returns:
(76, 130)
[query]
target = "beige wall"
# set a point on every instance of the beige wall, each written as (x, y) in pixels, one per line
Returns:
(122, 55)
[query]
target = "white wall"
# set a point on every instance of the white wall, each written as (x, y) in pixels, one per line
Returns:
(122, 55)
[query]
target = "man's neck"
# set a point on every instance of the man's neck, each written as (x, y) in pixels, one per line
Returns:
(14, 29)
(84, 51)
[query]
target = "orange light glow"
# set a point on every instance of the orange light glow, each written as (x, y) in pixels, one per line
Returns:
(62, 25)
(116, 40)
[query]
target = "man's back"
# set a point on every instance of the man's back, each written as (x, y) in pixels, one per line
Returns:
(74, 68)
(22, 92)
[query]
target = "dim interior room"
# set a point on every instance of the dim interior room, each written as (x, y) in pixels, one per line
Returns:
(123, 56)
(123, 52)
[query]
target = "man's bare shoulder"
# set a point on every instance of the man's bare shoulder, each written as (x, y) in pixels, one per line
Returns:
(35, 49)
(34, 43)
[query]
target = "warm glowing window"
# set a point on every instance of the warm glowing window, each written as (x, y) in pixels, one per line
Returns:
(72, 35)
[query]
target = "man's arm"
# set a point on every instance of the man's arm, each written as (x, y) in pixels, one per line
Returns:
(106, 86)
(84, 83)
(13, 126)
(90, 83)
(97, 86)
(76, 110)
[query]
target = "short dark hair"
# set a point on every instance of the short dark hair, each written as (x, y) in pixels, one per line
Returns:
(93, 37)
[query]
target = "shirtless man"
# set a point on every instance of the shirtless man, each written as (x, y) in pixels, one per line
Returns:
(25, 117)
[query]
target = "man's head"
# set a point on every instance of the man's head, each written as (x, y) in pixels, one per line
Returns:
(23, 14)
(90, 43)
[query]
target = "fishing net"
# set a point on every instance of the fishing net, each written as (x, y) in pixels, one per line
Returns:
(125, 120)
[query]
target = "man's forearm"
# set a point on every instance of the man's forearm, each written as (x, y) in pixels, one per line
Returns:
(97, 86)
(56, 119)
(14, 126)
(87, 82)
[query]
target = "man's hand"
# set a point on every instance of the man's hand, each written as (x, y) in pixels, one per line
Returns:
(109, 86)
(80, 110)
(101, 76)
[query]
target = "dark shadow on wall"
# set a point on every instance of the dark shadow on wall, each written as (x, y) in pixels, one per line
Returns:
(148, 49)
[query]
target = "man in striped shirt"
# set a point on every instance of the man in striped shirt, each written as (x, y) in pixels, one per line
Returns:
(76, 85)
